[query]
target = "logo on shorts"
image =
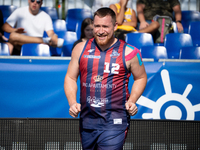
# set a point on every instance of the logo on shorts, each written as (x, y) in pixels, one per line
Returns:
(117, 121)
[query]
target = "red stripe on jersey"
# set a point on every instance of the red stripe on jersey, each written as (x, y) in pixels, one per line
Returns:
(83, 71)
(94, 75)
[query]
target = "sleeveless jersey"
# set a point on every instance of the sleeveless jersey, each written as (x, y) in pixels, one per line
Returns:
(104, 87)
(127, 18)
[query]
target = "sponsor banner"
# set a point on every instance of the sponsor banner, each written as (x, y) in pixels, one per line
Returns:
(33, 88)
(172, 92)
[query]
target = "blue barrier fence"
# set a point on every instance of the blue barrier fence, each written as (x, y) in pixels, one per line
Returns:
(32, 87)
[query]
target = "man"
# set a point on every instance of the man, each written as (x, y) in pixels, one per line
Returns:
(3, 39)
(147, 9)
(27, 25)
(127, 20)
(104, 64)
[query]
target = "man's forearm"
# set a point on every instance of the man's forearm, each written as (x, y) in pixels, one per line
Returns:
(7, 28)
(70, 88)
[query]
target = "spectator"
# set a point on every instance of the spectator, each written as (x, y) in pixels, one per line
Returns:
(86, 31)
(3, 39)
(27, 25)
(104, 64)
(147, 9)
(127, 20)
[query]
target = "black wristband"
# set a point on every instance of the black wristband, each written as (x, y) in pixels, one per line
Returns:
(178, 21)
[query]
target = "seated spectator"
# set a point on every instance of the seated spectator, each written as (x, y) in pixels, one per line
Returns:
(147, 9)
(86, 31)
(127, 20)
(3, 39)
(27, 25)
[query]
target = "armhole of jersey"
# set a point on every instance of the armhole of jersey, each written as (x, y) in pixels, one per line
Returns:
(83, 50)
(134, 53)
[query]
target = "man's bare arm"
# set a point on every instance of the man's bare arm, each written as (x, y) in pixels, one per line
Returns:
(70, 83)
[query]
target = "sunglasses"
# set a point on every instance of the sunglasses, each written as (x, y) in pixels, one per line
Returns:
(38, 1)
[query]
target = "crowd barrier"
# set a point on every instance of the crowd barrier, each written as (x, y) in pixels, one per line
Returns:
(34, 87)
(63, 134)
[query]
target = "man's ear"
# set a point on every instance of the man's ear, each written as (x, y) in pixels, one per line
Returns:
(115, 27)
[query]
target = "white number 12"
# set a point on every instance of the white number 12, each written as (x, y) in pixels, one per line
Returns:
(114, 69)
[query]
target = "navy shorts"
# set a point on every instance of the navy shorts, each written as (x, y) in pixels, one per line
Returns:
(103, 139)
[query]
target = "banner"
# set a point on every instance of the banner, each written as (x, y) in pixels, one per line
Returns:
(34, 88)
(171, 92)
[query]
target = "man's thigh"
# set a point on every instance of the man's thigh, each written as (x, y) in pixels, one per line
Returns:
(103, 140)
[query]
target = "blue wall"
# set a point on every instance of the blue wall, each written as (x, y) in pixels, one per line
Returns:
(33, 88)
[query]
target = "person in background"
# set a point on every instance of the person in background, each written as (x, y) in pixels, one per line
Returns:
(27, 25)
(127, 20)
(147, 9)
(104, 64)
(3, 39)
(86, 31)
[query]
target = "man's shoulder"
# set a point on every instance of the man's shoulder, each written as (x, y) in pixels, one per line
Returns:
(23, 8)
(42, 12)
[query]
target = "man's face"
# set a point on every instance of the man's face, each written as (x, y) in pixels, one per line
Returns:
(34, 6)
(104, 30)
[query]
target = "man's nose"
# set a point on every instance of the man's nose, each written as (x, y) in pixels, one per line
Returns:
(101, 30)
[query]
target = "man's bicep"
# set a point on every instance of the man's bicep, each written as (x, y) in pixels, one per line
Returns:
(73, 69)
(137, 67)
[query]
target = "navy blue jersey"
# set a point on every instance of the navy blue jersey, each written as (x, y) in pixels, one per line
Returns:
(104, 87)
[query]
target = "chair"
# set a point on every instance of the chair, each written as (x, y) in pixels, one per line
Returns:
(56, 51)
(192, 52)
(69, 39)
(7, 10)
(78, 29)
(4, 50)
(75, 15)
(35, 49)
(187, 17)
(194, 31)
(59, 25)
(139, 39)
(155, 52)
(174, 42)
(51, 11)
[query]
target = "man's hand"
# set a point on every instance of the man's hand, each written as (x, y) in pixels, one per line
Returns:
(54, 40)
(180, 27)
(75, 109)
(20, 30)
(143, 25)
(131, 108)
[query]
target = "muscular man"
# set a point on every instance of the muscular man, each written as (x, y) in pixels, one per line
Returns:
(104, 64)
